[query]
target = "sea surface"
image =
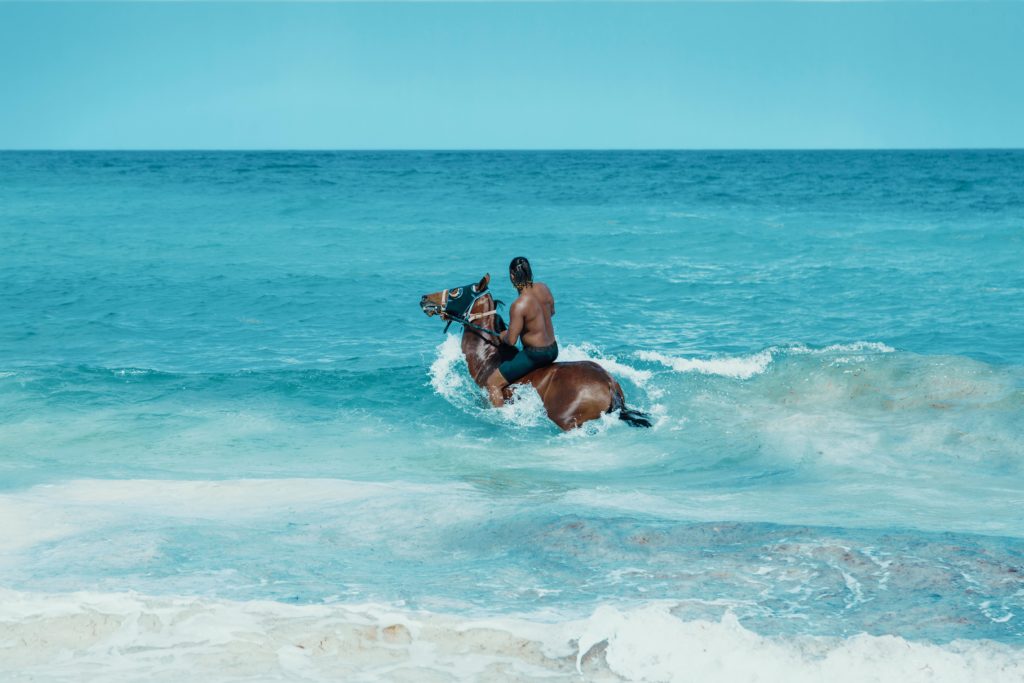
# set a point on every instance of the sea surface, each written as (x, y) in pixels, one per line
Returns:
(232, 447)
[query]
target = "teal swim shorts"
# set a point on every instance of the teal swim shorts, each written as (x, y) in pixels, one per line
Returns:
(527, 360)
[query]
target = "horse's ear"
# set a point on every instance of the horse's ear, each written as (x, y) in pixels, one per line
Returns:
(484, 281)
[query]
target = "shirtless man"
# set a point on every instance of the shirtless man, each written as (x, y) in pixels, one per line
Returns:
(529, 318)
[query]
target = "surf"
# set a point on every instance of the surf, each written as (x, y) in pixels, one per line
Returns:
(62, 637)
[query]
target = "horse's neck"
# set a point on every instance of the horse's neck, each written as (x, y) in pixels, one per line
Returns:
(481, 355)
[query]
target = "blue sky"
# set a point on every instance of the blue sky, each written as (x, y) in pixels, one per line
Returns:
(507, 75)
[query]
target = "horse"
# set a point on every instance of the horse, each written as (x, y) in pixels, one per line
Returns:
(573, 392)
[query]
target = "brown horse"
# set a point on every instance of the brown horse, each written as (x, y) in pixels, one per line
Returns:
(573, 392)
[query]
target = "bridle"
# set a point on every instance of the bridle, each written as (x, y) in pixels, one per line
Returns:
(466, 319)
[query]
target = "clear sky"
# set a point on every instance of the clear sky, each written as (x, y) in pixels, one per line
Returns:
(508, 75)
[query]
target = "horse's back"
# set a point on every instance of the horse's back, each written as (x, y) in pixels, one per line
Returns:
(573, 391)
(581, 371)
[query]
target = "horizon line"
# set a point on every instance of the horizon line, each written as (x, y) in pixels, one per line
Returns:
(509, 149)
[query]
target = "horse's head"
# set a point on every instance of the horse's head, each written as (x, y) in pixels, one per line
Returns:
(455, 301)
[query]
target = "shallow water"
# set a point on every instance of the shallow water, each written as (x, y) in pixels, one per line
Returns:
(217, 390)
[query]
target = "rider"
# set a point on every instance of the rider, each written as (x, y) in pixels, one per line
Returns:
(529, 318)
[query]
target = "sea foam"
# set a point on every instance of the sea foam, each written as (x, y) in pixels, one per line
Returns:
(128, 637)
(740, 367)
(747, 366)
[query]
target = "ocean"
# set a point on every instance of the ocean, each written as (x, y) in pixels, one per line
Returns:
(232, 447)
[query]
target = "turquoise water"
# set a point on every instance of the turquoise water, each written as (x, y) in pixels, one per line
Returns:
(216, 386)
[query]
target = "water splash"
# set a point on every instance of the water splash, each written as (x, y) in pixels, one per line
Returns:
(449, 377)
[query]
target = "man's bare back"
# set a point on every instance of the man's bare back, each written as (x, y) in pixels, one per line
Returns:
(529, 319)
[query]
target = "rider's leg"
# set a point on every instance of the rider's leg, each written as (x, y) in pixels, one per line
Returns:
(495, 389)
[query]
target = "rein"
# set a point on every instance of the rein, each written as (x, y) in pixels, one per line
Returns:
(465, 322)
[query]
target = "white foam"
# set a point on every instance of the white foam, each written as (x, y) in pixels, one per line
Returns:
(585, 351)
(747, 366)
(448, 373)
(526, 409)
(855, 347)
(593, 428)
(126, 637)
(651, 644)
(134, 372)
(738, 367)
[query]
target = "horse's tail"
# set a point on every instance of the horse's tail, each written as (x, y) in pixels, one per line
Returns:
(632, 417)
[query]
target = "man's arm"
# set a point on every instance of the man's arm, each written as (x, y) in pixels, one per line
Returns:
(515, 325)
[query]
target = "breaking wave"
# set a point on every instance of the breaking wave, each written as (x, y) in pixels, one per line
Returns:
(126, 637)
(747, 366)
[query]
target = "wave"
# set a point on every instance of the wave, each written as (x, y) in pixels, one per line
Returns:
(742, 367)
(577, 352)
(860, 405)
(747, 366)
(127, 637)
